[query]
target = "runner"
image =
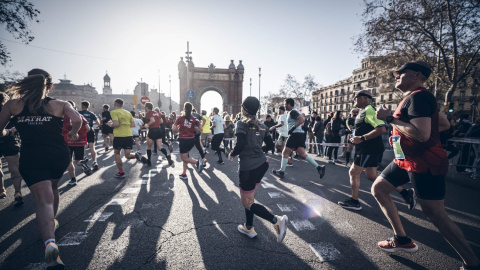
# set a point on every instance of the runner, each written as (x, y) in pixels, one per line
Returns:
(44, 155)
(136, 131)
(282, 130)
(96, 129)
(419, 158)
(198, 142)
(296, 140)
(186, 126)
(9, 148)
(76, 147)
(107, 130)
(92, 119)
(218, 127)
(155, 134)
(206, 132)
(122, 122)
(368, 147)
(253, 165)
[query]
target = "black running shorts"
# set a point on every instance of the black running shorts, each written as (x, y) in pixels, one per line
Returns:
(39, 164)
(186, 145)
(296, 140)
(123, 142)
(9, 147)
(107, 130)
(426, 185)
(155, 134)
(79, 152)
(366, 160)
(249, 179)
(91, 136)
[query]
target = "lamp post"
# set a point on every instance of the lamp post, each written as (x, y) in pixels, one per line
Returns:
(159, 95)
(259, 77)
(170, 82)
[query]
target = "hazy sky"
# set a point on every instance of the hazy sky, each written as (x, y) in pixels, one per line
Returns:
(135, 39)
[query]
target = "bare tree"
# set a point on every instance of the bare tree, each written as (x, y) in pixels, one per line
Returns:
(15, 15)
(300, 92)
(445, 32)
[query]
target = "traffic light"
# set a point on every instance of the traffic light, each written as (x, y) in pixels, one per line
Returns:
(450, 107)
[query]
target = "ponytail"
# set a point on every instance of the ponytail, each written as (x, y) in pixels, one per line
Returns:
(188, 110)
(31, 90)
(250, 119)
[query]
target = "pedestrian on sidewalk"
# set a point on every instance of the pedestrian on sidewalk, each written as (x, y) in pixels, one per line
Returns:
(253, 165)
(419, 158)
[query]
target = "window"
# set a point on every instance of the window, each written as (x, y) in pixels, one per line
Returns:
(390, 96)
(462, 95)
(460, 106)
(381, 98)
(390, 107)
(374, 91)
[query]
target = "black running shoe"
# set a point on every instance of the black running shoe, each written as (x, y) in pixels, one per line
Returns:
(138, 156)
(321, 171)
(410, 199)
(351, 204)
(279, 173)
(120, 175)
(95, 166)
(220, 162)
(149, 162)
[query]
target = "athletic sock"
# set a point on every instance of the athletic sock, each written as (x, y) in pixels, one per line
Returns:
(284, 164)
(164, 152)
(402, 240)
(311, 161)
(249, 216)
(49, 240)
(261, 211)
(149, 154)
(404, 192)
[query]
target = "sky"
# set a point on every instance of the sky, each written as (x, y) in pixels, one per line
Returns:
(144, 40)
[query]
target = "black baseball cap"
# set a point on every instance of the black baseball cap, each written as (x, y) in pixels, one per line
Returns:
(419, 66)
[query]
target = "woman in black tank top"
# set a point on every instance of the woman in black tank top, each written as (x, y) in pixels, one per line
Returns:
(44, 156)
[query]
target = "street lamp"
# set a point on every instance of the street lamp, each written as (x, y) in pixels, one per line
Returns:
(259, 77)
(170, 82)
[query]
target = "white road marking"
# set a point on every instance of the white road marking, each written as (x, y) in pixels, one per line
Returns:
(149, 175)
(325, 251)
(131, 190)
(286, 207)
(276, 195)
(118, 201)
(161, 193)
(302, 225)
(73, 239)
(267, 185)
(150, 205)
(141, 182)
(99, 217)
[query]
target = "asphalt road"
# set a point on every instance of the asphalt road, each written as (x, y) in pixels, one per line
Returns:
(153, 220)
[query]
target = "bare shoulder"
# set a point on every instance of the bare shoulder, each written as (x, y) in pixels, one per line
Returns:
(15, 106)
(56, 107)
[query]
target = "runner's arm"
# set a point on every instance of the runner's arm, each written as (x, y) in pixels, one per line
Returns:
(413, 130)
(443, 123)
(5, 116)
(75, 117)
(241, 138)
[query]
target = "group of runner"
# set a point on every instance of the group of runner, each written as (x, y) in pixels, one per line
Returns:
(45, 154)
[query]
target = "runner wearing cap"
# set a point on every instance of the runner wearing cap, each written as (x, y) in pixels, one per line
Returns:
(253, 165)
(419, 158)
(296, 140)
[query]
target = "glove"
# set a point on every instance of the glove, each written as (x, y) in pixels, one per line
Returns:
(291, 130)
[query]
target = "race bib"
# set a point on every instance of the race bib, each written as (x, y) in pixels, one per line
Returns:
(397, 148)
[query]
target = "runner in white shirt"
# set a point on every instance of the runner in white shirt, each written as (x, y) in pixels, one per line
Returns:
(136, 131)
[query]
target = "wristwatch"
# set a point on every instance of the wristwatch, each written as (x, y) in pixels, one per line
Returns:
(389, 119)
(363, 138)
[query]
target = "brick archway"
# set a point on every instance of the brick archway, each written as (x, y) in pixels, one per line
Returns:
(226, 82)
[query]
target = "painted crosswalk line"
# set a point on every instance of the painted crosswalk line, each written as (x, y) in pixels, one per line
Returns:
(118, 201)
(325, 251)
(276, 195)
(149, 175)
(131, 190)
(141, 182)
(267, 185)
(286, 207)
(73, 239)
(99, 217)
(161, 193)
(302, 225)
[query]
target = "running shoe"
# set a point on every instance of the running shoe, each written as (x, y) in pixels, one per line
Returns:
(120, 175)
(204, 162)
(278, 173)
(72, 182)
(18, 200)
(170, 161)
(331, 161)
(106, 149)
(86, 159)
(243, 229)
(281, 227)
(95, 166)
(220, 162)
(199, 165)
(351, 204)
(337, 161)
(410, 199)
(149, 162)
(289, 163)
(52, 257)
(391, 245)
(183, 177)
(56, 225)
(3, 195)
(144, 160)
(321, 171)
(138, 156)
